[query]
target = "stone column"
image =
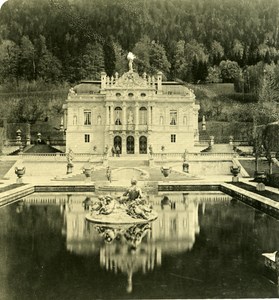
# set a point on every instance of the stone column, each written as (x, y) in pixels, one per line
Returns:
(124, 121)
(110, 142)
(111, 116)
(136, 116)
(124, 143)
(28, 134)
(149, 116)
(136, 143)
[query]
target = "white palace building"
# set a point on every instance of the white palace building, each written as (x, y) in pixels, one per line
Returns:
(131, 113)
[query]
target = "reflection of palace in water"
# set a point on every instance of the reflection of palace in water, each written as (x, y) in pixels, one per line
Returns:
(133, 249)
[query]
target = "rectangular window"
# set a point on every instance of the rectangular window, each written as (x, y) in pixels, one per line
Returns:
(87, 138)
(173, 117)
(173, 138)
(87, 117)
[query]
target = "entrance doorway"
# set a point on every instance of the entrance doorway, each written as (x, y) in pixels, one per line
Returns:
(130, 145)
(143, 145)
(117, 143)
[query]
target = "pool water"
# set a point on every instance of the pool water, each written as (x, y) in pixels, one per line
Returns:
(207, 245)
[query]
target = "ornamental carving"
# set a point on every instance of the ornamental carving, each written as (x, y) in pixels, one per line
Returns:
(130, 79)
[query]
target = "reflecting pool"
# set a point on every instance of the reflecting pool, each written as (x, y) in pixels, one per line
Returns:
(203, 245)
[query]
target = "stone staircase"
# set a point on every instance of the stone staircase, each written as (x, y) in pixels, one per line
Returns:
(126, 162)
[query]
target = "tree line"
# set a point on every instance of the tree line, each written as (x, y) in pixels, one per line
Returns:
(69, 40)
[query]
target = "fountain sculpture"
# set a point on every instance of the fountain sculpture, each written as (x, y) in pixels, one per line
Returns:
(131, 208)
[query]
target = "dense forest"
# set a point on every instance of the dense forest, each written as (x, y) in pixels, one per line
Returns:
(59, 40)
(63, 41)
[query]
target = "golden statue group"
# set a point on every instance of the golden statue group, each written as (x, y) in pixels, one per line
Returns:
(131, 207)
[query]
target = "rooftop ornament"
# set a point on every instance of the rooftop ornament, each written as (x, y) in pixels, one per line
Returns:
(130, 58)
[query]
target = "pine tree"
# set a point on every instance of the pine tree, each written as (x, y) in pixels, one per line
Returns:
(109, 57)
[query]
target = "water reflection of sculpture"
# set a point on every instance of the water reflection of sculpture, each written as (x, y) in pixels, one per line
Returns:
(133, 249)
(123, 251)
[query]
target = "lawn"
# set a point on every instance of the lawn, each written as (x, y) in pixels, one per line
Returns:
(249, 166)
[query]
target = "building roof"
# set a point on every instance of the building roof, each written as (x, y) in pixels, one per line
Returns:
(174, 88)
(88, 87)
(168, 87)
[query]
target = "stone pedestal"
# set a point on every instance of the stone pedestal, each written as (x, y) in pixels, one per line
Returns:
(151, 162)
(235, 179)
(87, 179)
(260, 187)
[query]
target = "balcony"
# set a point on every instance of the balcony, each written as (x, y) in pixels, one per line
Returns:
(129, 127)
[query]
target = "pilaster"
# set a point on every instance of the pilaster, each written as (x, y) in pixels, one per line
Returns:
(124, 108)
(136, 143)
(107, 115)
(137, 116)
(124, 143)
(111, 116)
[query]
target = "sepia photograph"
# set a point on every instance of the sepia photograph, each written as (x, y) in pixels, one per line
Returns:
(139, 149)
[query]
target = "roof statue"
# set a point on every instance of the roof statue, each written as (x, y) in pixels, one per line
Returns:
(130, 58)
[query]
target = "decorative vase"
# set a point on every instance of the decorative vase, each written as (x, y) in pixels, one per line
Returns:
(87, 170)
(166, 171)
(20, 171)
(260, 176)
(235, 170)
(70, 168)
(185, 167)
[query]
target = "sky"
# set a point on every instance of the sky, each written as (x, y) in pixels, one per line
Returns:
(1, 2)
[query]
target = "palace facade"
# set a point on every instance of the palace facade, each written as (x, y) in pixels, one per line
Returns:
(131, 113)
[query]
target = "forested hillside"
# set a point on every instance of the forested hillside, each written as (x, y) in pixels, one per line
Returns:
(54, 43)
(72, 39)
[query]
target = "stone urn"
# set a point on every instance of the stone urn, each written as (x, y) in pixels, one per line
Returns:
(19, 171)
(70, 166)
(185, 167)
(260, 176)
(87, 170)
(235, 170)
(166, 171)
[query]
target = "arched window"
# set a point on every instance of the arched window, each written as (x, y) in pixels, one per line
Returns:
(118, 115)
(184, 120)
(161, 120)
(99, 120)
(143, 145)
(143, 116)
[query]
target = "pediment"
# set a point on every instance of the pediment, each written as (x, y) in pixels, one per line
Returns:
(131, 79)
